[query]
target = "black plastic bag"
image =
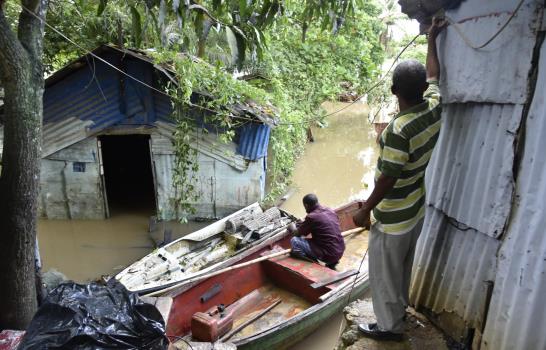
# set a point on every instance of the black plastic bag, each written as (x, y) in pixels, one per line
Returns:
(93, 316)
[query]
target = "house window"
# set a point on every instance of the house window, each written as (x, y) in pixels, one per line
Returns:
(78, 167)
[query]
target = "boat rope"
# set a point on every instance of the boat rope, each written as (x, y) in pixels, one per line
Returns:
(341, 328)
(501, 29)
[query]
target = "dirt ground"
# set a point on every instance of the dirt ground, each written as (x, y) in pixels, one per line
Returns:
(420, 333)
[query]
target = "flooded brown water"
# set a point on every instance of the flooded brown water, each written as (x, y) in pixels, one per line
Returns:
(338, 167)
(83, 250)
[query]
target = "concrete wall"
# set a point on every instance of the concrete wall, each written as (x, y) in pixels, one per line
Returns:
(68, 194)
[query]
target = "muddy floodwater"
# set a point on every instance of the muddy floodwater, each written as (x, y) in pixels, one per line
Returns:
(338, 167)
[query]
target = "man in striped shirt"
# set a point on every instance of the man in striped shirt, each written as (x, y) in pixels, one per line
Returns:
(398, 199)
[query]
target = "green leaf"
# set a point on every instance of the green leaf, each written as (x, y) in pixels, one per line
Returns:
(137, 26)
(102, 7)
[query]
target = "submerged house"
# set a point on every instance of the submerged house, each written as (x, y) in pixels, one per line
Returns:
(480, 264)
(107, 144)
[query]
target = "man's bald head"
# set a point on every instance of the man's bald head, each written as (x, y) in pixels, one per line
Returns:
(409, 81)
(310, 201)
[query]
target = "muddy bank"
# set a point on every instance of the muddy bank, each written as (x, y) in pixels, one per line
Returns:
(420, 333)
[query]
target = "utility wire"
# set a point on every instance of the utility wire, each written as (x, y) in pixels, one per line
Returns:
(501, 29)
(88, 52)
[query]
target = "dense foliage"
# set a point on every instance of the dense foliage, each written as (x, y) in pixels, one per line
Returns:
(307, 51)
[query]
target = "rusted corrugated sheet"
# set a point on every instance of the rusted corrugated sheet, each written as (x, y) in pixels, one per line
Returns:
(253, 141)
(206, 144)
(481, 226)
(470, 174)
(222, 188)
(517, 316)
(452, 267)
(69, 194)
(498, 73)
(61, 134)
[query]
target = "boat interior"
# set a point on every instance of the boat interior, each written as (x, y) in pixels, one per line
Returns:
(203, 248)
(244, 302)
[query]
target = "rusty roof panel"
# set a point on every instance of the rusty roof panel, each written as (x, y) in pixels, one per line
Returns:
(517, 315)
(451, 268)
(470, 174)
(497, 73)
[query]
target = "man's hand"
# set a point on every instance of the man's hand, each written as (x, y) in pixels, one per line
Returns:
(362, 218)
(438, 24)
(433, 65)
(291, 228)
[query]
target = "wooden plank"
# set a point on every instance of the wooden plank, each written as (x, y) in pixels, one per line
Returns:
(334, 279)
(249, 321)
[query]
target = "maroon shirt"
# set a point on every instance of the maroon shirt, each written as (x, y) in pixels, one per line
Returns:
(326, 242)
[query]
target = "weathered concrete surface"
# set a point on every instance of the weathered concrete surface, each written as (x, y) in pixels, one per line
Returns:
(420, 333)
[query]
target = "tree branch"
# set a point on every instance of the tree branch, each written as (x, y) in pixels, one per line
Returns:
(11, 50)
(31, 28)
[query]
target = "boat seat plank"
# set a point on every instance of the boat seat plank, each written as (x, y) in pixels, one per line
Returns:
(333, 279)
(297, 276)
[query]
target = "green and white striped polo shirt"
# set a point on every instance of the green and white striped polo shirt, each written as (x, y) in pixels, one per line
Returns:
(406, 145)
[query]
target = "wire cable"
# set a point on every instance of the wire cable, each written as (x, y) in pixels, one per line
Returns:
(501, 29)
(88, 52)
(379, 82)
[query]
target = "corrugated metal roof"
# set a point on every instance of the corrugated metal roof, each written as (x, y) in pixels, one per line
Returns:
(451, 267)
(204, 143)
(517, 316)
(470, 174)
(247, 109)
(469, 75)
(64, 133)
(253, 141)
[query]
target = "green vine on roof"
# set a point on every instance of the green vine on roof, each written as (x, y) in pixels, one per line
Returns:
(216, 90)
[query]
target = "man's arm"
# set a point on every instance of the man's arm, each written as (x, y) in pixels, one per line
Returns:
(433, 65)
(383, 185)
(301, 228)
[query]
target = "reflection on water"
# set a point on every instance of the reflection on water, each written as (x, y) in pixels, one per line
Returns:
(338, 167)
(83, 250)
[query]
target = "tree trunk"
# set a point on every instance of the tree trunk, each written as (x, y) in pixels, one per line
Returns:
(21, 73)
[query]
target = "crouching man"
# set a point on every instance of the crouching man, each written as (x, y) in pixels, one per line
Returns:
(326, 243)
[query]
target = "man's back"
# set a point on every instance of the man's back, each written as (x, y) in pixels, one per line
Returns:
(406, 147)
(327, 242)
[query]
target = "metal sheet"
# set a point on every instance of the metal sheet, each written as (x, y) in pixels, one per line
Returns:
(470, 174)
(222, 188)
(516, 315)
(451, 267)
(206, 144)
(468, 75)
(253, 141)
(66, 194)
(61, 134)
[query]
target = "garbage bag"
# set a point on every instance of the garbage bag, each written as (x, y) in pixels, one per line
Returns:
(94, 316)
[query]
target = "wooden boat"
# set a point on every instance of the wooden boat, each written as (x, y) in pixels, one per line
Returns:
(220, 244)
(270, 304)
